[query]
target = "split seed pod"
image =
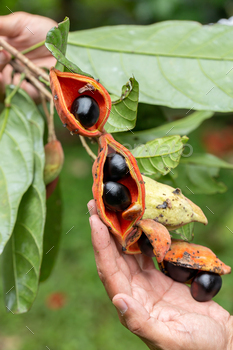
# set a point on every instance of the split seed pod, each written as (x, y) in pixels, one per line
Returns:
(66, 88)
(169, 206)
(126, 225)
(121, 224)
(194, 256)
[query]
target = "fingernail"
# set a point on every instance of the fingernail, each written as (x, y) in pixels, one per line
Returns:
(120, 305)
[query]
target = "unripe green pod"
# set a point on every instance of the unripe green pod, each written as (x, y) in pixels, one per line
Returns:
(169, 206)
(54, 158)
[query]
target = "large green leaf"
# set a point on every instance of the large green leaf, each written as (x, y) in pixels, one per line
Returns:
(180, 64)
(179, 127)
(197, 179)
(23, 252)
(160, 155)
(52, 233)
(56, 43)
(16, 166)
(208, 160)
(124, 111)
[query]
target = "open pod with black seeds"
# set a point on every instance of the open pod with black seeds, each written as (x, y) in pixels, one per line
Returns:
(111, 191)
(72, 91)
(120, 223)
(194, 264)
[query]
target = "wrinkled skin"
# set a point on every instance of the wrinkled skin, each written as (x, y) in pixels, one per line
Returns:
(151, 305)
(13, 30)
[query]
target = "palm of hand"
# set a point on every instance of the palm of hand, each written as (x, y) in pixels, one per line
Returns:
(160, 311)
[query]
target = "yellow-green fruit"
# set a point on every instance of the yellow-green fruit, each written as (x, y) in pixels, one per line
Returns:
(169, 206)
(54, 158)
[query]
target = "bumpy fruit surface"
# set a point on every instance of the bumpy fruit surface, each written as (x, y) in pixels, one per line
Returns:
(86, 110)
(179, 273)
(115, 167)
(169, 206)
(116, 196)
(66, 88)
(194, 256)
(205, 286)
(54, 158)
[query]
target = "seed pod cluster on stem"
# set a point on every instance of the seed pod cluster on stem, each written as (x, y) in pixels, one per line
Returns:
(137, 210)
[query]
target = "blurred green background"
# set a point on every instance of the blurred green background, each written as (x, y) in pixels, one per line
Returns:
(72, 310)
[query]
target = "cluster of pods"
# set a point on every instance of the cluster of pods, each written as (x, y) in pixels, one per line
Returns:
(137, 210)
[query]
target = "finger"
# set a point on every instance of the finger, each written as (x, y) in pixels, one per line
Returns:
(10, 24)
(145, 262)
(91, 207)
(137, 319)
(4, 59)
(106, 255)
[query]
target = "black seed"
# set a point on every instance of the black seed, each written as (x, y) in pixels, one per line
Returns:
(145, 246)
(205, 286)
(179, 273)
(115, 167)
(86, 110)
(116, 196)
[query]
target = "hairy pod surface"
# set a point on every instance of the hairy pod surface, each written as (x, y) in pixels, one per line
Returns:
(169, 206)
(66, 88)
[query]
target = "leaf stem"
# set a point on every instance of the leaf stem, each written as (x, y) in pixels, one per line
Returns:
(8, 99)
(87, 148)
(49, 117)
(33, 47)
(7, 110)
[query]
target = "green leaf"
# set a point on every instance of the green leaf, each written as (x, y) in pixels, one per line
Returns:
(182, 126)
(186, 232)
(160, 155)
(56, 43)
(208, 160)
(124, 111)
(21, 259)
(197, 179)
(52, 233)
(16, 165)
(180, 64)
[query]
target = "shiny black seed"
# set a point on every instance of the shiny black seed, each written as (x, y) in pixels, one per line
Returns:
(115, 167)
(86, 110)
(116, 196)
(179, 273)
(145, 246)
(205, 286)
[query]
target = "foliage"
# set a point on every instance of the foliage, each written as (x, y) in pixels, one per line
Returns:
(175, 64)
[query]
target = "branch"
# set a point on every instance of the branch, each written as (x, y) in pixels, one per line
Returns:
(14, 52)
(19, 68)
(49, 117)
(87, 148)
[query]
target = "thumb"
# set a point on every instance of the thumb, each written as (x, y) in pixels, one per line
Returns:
(134, 316)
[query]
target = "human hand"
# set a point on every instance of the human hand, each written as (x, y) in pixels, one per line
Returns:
(151, 305)
(23, 30)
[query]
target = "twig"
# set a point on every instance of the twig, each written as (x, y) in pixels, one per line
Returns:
(49, 117)
(19, 68)
(38, 71)
(87, 148)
